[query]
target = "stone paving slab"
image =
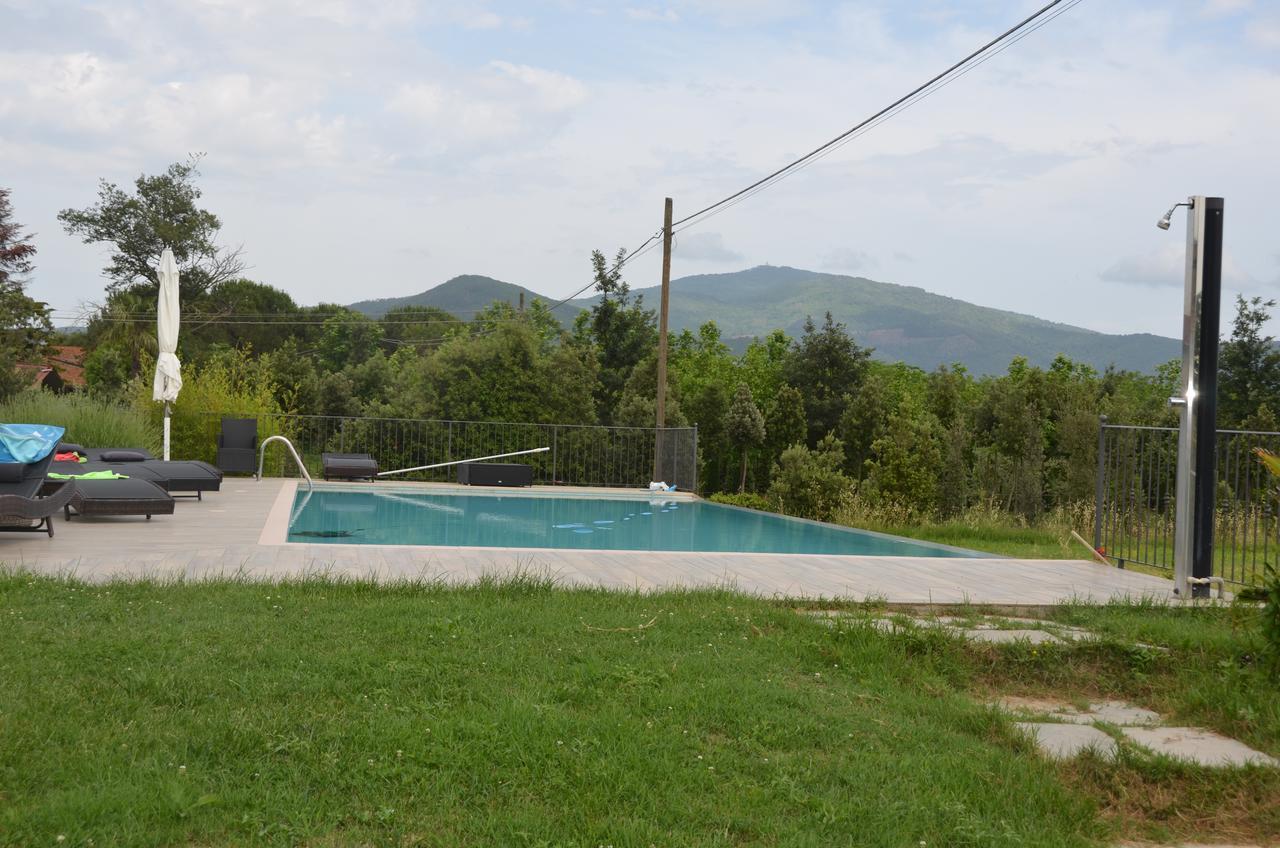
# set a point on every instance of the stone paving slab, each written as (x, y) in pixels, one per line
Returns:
(1119, 713)
(1197, 745)
(1064, 741)
(1035, 637)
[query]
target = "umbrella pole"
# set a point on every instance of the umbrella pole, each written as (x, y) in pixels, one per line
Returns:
(166, 431)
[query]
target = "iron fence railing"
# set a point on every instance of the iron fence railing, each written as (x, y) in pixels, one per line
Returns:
(1136, 485)
(579, 455)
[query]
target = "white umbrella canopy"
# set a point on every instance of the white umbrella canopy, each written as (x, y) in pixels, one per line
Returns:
(168, 380)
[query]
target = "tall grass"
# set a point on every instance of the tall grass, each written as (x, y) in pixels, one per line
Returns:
(91, 422)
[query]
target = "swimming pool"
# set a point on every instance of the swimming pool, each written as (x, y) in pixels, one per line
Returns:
(574, 522)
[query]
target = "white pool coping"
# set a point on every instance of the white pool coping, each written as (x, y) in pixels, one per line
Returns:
(241, 531)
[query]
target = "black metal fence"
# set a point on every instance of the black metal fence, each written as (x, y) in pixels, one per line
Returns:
(579, 455)
(1136, 486)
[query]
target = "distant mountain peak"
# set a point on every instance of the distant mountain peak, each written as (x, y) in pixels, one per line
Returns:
(903, 323)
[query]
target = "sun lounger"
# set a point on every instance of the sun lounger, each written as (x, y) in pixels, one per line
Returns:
(349, 466)
(26, 496)
(183, 477)
(133, 496)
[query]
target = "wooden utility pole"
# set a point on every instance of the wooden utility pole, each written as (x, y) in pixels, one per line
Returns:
(662, 340)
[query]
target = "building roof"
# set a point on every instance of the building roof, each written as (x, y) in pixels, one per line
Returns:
(66, 359)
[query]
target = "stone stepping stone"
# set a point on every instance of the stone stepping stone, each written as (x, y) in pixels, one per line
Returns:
(1064, 741)
(1123, 714)
(1035, 637)
(1112, 712)
(1197, 745)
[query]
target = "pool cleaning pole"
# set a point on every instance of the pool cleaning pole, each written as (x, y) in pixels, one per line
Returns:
(462, 461)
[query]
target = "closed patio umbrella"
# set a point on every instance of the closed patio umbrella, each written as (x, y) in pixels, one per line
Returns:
(168, 381)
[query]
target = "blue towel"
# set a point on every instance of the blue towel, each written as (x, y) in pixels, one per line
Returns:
(28, 442)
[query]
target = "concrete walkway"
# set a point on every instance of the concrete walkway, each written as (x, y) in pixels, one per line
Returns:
(231, 533)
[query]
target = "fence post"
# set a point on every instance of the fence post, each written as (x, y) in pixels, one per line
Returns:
(695, 458)
(342, 436)
(1099, 484)
(555, 450)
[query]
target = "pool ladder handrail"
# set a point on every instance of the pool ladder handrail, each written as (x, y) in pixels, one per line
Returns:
(262, 455)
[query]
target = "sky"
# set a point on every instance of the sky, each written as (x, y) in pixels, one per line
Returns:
(376, 148)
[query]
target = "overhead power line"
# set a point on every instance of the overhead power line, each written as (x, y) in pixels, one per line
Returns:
(977, 57)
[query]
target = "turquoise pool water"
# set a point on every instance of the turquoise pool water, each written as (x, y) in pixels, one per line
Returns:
(383, 517)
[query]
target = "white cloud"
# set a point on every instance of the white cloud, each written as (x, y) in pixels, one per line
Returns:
(1221, 8)
(668, 15)
(1164, 267)
(552, 90)
(848, 259)
(1167, 267)
(1264, 33)
(704, 247)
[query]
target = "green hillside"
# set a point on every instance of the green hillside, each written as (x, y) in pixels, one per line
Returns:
(903, 323)
(462, 296)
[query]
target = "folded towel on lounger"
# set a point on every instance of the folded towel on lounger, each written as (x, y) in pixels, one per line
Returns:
(88, 475)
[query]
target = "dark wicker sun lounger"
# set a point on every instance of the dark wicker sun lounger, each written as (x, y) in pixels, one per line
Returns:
(349, 466)
(133, 496)
(26, 496)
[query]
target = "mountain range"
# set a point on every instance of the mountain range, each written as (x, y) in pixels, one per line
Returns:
(902, 323)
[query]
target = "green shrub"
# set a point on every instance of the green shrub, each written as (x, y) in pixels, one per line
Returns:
(232, 382)
(809, 483)
(89, 421)
(751, 500)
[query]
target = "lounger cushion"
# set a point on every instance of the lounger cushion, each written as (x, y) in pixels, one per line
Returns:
(71, 447)
(193, 476)
(121, 497)
(12, 472)
(122, 456)
(96, 453)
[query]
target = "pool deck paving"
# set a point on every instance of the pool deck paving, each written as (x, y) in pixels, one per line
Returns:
(240, 531)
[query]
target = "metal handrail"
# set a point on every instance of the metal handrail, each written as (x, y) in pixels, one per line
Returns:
(262, 455)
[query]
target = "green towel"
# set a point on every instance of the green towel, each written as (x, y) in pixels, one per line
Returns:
(88, 475)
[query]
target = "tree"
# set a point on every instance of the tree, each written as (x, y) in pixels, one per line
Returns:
(905, 461)
(637, 405)
(760, 366)
(703, 373)
(785, 424)
(863, 422)
(25, 330)
(421, 328)
(236, 313)
(809, 483)
(348, 338)
(1249, 363)
(160, 212)
(506, 375)
(827, 367)
(744, 427)
(621, 331)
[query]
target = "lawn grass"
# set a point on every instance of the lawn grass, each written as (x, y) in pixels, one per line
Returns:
(1010, 541)
(514, 713)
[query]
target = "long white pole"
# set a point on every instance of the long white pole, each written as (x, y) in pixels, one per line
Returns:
(462, 461)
